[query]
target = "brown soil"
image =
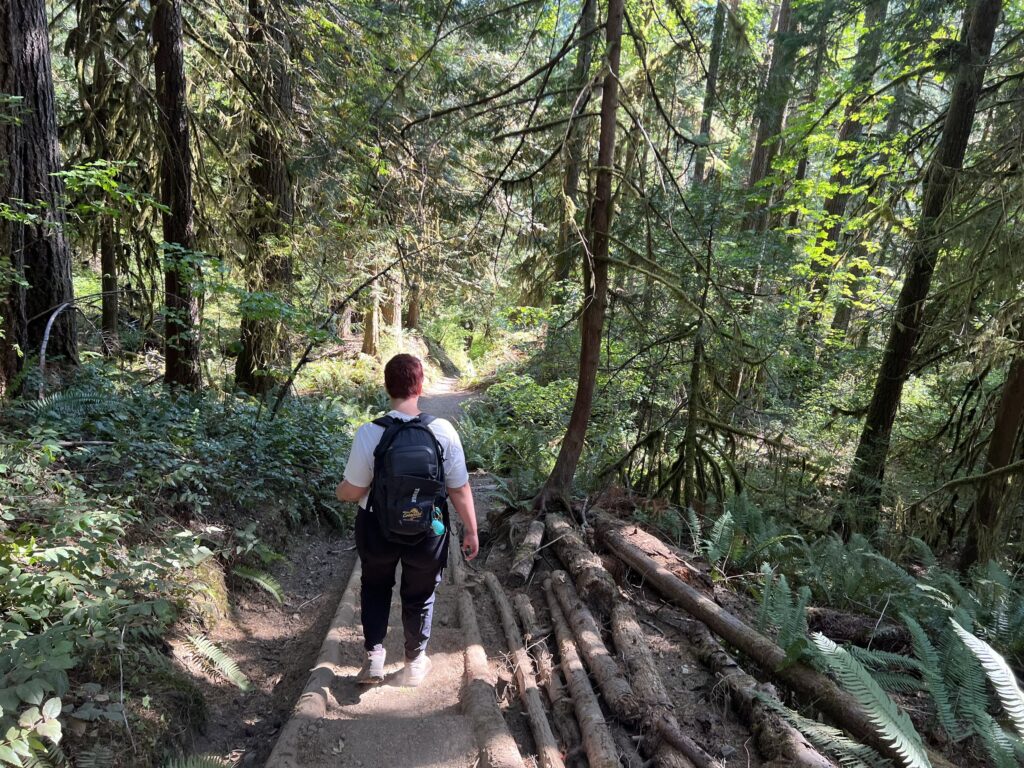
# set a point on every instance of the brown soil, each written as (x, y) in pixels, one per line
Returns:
(275, 645)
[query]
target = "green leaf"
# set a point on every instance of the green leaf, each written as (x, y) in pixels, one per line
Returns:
(999, 674)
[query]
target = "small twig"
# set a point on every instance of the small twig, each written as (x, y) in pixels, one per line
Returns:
(312, 599)
(124, 712)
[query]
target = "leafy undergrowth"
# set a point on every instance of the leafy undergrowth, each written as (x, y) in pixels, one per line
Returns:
(125, 515)
(951, 683)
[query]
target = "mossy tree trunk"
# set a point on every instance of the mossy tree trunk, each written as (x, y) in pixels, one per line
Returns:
(269, 265)
(859, 509)
(182, 269)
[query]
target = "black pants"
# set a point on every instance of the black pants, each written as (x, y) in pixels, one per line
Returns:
(422, 565)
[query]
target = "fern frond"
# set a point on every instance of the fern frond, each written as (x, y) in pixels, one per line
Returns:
(696, 535)
(892, 723)
(831, 741)
(199, 761)
(50, 757)
(213, 657)
(261, 579)
(719, 541)
(931, 671)
(999, 674)
(95, 757)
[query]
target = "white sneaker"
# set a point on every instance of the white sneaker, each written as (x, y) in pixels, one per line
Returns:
(416, 669)
(372, 672)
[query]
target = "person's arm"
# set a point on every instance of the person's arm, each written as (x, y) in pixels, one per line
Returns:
(358, 469)
(462, 500)
(346, 491)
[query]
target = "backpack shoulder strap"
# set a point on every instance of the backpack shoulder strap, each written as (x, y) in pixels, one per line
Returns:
(384, 421)
(426, 418)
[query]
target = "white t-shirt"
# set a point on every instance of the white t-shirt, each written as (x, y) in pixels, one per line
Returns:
(359, 469)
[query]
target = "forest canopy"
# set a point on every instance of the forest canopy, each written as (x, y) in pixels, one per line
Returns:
(750, 271)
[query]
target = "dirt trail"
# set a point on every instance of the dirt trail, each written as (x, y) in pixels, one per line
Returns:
(340, 724)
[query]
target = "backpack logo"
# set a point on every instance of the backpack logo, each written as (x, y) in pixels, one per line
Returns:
(413, 513)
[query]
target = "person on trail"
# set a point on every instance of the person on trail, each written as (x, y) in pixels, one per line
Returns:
(402, 469)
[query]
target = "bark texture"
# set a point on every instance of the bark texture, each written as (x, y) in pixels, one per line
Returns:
(859, 512)
(547, 750)
(594, 582)
(268, 263)
(549, 677)
(182, 269)
(629, 543)
(595, 277)
(38, 250)
(526, 553)
(597, 739)
(985, 519)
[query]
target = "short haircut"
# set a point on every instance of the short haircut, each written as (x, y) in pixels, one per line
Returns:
(403, 376)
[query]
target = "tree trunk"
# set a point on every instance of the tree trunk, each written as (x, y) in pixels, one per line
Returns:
(13, 320)
(108, 284)
(345, 323)
(771, 112)
(710, 89)
(850, 132)
(864, 484)
(182, 269)
(412, 315)
(39, 250)
(568, 237)
(371, 327)
(595, 277)
(985, 524)
(269, 265)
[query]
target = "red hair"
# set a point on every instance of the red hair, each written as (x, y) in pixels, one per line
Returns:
(403, 376)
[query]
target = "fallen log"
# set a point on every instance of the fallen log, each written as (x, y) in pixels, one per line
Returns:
(547, 750)
(526, 552)
(857, 629)
(680, 751)
(629, 543)
(479, 701)
(593, 581)
(776, 739)
(657, 708)
(597, 739)
(602, 665)
(549, 677)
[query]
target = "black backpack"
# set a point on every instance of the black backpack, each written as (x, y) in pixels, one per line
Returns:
(408, 479)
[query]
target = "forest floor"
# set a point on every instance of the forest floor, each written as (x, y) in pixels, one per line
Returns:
(276, 645)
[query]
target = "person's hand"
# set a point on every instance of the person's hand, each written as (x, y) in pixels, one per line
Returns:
(470, 545)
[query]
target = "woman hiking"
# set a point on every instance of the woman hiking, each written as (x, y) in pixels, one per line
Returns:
(401, 471)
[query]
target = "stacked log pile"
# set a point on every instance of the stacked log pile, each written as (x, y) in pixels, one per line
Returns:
(610, 675)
